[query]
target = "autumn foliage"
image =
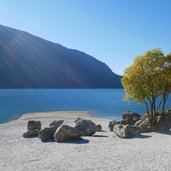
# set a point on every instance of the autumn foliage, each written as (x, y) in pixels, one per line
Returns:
(148, 81)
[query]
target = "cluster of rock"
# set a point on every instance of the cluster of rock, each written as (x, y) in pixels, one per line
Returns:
(128, 126)
(164, 122)
(47, 133)
(132, 124)
(59, 132)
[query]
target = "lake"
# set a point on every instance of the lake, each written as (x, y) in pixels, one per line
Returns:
(100, 102)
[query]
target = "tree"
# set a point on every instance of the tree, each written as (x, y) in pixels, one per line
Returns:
(148, 81)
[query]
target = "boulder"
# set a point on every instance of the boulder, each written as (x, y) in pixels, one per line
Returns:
(130, 118)
(33, 125)
(142, 124)
(85, 127)
(98, 128)
(112, 123)
(56, 123)
(31, 133)
(169, 111)
(47, 133)
(126, 131)
(78, 119)
(164, 122)
(65, 132)
(132, 131)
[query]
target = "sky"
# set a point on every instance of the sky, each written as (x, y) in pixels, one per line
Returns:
(113, 31)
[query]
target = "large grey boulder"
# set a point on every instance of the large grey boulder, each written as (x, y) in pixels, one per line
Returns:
(47, 133)
(33, 125)
(56, 123)
(126, 131)
(31, 133)
(85, 127)
(130, 118)
(65, 132)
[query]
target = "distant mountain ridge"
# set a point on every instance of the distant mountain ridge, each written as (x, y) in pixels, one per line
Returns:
(27, 61)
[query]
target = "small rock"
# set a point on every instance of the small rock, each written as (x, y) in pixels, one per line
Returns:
(65, 132)
(86, 127)
(56, 123)
(47, 133)
(112, 123)
(98, 128)
(33, 125)
(31, 133)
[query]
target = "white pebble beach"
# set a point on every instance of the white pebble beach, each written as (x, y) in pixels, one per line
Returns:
(101, 152)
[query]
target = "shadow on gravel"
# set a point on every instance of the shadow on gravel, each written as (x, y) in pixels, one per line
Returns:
(76, 141)
(49, 141)
(140, 136)
(164, 132)
(99, 136)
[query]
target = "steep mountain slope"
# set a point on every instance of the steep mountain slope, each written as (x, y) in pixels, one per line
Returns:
(27, 61)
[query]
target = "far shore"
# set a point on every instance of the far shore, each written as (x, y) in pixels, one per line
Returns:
(100, 152)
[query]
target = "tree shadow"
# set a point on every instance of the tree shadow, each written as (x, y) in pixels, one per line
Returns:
(140, 136)
(143, 136)
(164, 132)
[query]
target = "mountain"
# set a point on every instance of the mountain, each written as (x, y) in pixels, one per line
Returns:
(27, 61)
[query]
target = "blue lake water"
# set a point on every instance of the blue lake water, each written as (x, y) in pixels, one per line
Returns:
(100, 102)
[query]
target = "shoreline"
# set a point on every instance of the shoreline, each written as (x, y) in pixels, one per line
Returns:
(30, 113)
(89, 113)
(100, 152)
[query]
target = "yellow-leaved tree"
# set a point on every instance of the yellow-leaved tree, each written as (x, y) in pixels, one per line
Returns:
(148, 81)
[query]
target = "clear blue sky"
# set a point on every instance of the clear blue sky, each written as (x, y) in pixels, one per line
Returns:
(113, 31)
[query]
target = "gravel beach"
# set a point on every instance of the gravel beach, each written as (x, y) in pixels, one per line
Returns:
(101, 152)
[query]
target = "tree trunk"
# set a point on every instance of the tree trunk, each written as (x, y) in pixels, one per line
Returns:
(158, 108)
(147, 109)
(153, 118)
(165, 96)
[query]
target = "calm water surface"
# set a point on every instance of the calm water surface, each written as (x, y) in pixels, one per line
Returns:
(100, 102)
